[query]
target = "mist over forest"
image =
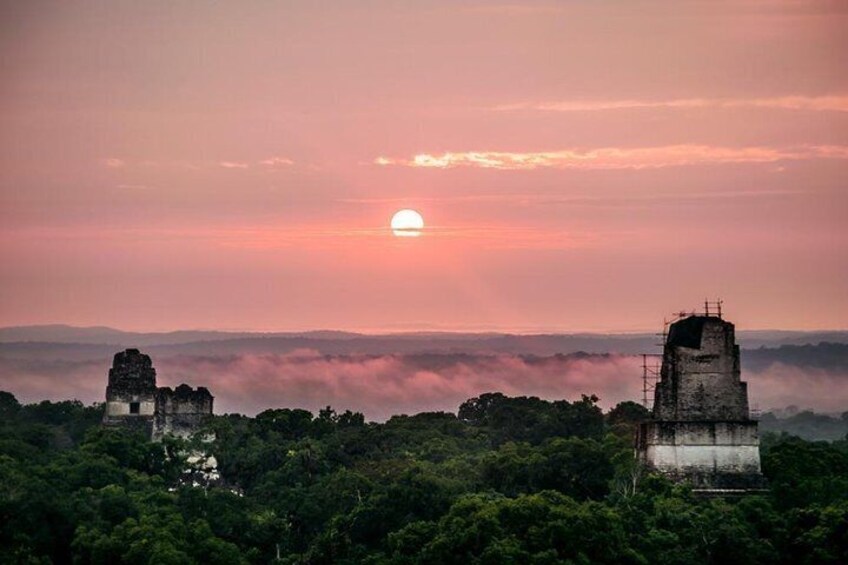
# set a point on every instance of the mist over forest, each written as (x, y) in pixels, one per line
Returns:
(385, 375)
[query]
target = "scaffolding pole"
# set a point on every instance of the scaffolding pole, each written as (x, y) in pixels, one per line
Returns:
(650, 376)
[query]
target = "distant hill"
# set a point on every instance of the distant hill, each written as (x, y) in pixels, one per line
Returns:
(824, 356)
(807, 425)
(198, 342)
(59, 333)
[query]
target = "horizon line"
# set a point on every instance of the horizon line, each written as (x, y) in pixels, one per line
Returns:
(389, 331)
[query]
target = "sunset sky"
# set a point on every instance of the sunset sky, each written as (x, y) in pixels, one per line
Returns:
(580, 166)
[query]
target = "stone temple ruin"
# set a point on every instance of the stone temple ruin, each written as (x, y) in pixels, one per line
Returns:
(133, 400)
(700, 429)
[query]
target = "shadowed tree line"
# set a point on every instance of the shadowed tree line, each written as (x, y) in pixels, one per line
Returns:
(505, 480)
(806, 424)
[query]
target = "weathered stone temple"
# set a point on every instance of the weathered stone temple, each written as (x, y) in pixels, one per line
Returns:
(134, 400)
(700, 429)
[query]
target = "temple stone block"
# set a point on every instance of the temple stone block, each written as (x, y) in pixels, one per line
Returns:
(134, 401)
(700, 431)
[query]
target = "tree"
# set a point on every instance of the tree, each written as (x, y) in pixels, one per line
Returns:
(626, 416)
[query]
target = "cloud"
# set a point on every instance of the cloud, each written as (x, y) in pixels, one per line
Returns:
(276, 162)
(618, 157)
(272, 162)
(595, 200)
(383, 161)
(830, 103)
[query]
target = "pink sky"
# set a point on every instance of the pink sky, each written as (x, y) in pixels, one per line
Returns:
(580, 165)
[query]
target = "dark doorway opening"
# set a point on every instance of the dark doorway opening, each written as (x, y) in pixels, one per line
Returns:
(134, 407)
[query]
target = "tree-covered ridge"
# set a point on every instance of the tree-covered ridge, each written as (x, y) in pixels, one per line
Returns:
(506, 480)
(806, 424)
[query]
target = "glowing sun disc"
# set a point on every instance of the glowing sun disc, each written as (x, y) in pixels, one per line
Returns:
(407, 223)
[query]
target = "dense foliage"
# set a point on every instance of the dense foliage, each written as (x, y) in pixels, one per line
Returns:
(507, 480)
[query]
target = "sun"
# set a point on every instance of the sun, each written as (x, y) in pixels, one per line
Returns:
(407, 223)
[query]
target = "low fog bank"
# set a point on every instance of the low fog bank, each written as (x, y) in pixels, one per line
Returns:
(383, 385)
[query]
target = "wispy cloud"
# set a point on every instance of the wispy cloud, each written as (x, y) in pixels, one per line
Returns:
(617, 157)
(546, 199)
(276, 162)
(233, 165)
(831, 103)
(271, 163)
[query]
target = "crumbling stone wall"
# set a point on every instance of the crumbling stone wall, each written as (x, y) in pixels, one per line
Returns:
(182, 411)
(700, 375)
(133, 400)
(131, 392)
(700, 429)
(708, 455)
